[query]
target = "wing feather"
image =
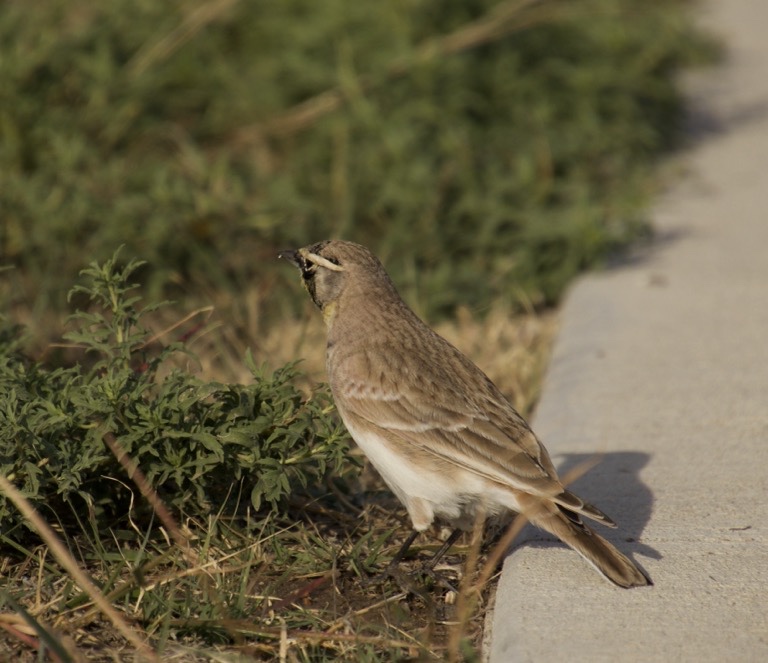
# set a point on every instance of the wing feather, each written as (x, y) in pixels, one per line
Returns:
(480, 432)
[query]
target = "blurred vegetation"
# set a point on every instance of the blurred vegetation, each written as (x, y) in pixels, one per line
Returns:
(482, 148)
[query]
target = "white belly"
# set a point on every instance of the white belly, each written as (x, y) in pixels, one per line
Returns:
(428, 491)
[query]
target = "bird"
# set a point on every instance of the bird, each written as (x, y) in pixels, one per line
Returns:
(442, 436)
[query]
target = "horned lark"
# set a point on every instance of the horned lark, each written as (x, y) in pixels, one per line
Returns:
(440, 433)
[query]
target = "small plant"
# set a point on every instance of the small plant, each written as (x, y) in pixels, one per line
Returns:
(194, 440)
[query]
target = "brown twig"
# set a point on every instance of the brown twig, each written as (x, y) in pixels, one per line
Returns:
(341, 621)
(161, 49)
(17, 627)
(500, 21)
(466, 599)
(66, 560)
(471, 591)
(276, 633)
(304, 591)
(149, 493)
(164, 332)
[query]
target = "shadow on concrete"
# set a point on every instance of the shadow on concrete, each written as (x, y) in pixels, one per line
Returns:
(641, 250)
(614, 486)
(702, 122)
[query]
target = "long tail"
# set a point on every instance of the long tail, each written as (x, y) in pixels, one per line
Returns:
(569, 528)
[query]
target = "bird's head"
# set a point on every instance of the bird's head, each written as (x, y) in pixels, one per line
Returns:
(334, 270)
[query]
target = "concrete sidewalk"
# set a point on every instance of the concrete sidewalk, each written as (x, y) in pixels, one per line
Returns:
(662, 366)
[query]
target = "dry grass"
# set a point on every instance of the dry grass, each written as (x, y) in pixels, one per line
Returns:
(512, 349)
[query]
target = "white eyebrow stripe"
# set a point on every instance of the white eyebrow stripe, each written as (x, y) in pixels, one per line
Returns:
(324, 262)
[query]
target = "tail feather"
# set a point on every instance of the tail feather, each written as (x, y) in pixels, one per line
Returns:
(574, 503)
(568, 527)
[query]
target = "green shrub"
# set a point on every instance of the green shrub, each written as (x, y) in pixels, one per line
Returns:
(197, 442)
(505, 164)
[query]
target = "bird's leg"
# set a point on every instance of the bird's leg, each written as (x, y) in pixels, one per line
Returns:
(392, 570)
(432, 563)
(408, 582)
(403, 550)
(428, 568)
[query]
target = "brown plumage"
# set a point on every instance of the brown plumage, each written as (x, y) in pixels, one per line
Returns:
(443, 437)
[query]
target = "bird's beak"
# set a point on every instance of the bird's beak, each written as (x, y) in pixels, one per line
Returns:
(291, 256)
